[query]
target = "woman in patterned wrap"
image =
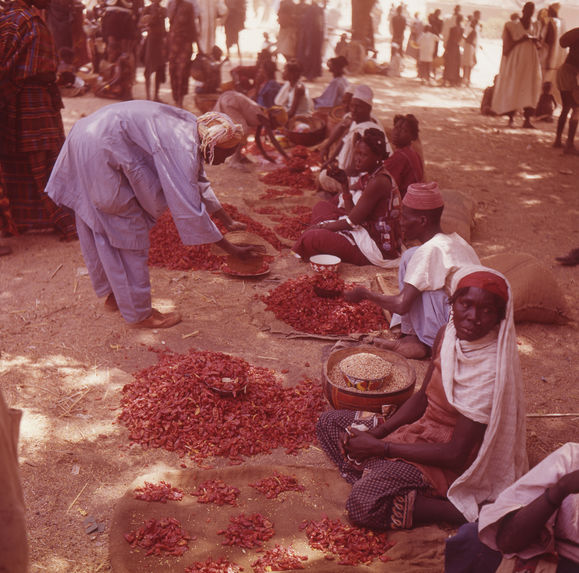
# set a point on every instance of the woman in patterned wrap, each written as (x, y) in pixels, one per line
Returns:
(457, 442)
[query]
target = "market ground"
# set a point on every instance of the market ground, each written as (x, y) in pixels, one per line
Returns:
(64, 360)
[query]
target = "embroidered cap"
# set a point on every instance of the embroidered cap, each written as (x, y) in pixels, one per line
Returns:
(423, 196)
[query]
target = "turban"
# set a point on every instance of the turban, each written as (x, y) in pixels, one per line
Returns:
(217, 130)
(423, 196)
(487, 281)
(363, 93)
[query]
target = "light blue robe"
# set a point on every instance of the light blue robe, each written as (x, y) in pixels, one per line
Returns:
(118, 170)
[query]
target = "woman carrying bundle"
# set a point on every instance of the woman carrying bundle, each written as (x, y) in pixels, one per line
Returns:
(456, 443)
(363, 226)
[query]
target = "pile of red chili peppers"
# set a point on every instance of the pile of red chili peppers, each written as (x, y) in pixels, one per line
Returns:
(216, 491)
(279, 559)
(272, 486)
(296, 172)
(169, 406)
(160, 537)
(247, 531)
(161, 491)
(295, 303)
(290, 225)
(168, 251)
(352, 545)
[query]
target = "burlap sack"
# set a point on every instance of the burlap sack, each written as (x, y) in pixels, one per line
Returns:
(458, 213)
(537, 296)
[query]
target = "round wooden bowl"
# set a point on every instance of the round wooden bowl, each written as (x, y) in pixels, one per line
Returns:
(315, 135)
(342, 398)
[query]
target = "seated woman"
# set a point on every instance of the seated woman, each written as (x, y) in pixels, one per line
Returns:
(116, 74)
(293, 95)
(335, 90)
(363, 228)
(458, 441)
(406, 164)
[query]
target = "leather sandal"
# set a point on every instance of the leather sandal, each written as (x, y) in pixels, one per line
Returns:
(159, 320)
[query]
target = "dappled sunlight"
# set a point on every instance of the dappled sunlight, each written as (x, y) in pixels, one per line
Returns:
(525, 346)
(532, 176)
(531, 202)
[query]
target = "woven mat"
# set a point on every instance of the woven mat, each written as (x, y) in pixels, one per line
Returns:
(419, 550)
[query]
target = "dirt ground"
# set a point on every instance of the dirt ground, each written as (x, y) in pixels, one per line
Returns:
(64, 360)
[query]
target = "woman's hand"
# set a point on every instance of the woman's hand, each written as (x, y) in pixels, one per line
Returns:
(328, 225)
(356, 294)
(362, 445)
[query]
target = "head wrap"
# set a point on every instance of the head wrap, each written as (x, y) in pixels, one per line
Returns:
(217, 130)
(423, 196)
(363, 93)
(482, 379)
(490, 282)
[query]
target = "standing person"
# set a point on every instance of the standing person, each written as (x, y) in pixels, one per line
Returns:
(436, 23)
(13, 543)
(568, 86)
(311, 40)
(118, 189)
(519, 82)
(288, 35)
(451, 75)
(59, 15)
(362, 25)
(426, 52)
(471, 43)
(416, 31)
(30, 122)
(155, 49)
(424, 274)
(555, 55)
(458, 441)
(398, 29)
(209, 12)
(120, 33)
(182, 34)
(234, 23)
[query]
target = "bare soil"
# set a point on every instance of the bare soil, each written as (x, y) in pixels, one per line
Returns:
(64, 360)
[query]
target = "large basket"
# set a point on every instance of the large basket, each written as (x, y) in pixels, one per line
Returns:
(343, 398)
(315, 135)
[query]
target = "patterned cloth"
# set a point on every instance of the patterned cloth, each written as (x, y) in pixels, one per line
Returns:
(181, 36)
(30, 121)
(383, 491)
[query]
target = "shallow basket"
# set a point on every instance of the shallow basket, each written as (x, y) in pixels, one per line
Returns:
(342, 398)
(316, 135)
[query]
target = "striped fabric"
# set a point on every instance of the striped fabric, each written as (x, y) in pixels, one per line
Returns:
(30, 121)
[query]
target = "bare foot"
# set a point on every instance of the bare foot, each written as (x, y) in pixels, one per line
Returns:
(407, 346)
(570, 150)
(159, 320)
(557, 143)
(111, 303)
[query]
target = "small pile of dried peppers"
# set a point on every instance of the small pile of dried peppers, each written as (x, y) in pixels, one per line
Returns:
(296, 303)
(160, 537)
(161, 491)
(352, 545)
(216, 491)
(272, 486)
(247, 531)
(279, 559)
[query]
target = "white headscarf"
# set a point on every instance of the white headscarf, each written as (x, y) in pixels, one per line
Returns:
(483, 381)
(217, 130)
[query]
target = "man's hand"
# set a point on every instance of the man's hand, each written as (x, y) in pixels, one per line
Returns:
(356, 294)
(236, 226)
(245, 252)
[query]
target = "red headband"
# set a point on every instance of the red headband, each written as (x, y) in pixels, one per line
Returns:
(486, 281)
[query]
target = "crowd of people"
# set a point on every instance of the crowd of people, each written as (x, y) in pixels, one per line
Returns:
(457, 444)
